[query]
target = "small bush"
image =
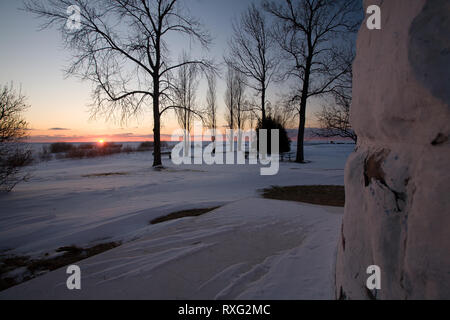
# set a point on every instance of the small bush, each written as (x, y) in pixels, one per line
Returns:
(20, 159)
(86, 146)
(89, 150)
(128, 149)
(11, 162)
(150, 146)
(61, 147)
(76, 153)
(14, 153)
(273, 123)
(146, 146)
(93, 151)
(112, 146)
(45, 154)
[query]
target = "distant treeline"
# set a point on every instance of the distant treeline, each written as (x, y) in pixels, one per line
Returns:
(64, 150)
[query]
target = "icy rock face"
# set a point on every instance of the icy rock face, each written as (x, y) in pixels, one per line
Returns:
(397, 214)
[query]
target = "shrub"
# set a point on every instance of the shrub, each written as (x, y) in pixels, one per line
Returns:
(272, 123)
(86, 146)
(146, 146)
(14, 154)
(111, 146)
(86, 150)
(45, 154)
(12, 160)
(93, 151)
(128, 149)
(60, 147)
(150, 146)
(20, 158)
(76, 153)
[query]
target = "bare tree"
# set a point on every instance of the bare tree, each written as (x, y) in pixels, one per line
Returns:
(314, 36)
(334, 122)
(211, 103)
(252, 112)
(230, 96)
(122, 47)
(284, 113)
(252, 52)
(185, 88)
(235, 102)
(334, 119)
(13, 153)
(186, 85)
(241, 104)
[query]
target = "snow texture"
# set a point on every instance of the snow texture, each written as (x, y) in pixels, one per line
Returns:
(250, 248)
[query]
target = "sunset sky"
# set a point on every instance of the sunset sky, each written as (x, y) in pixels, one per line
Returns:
(34, 61)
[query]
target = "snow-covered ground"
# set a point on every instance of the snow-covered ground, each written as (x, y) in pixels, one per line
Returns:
(249, 248)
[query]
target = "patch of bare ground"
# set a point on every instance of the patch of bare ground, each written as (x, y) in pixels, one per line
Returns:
(36, 267)
(333, 196)
(107, 174)
(183, 214)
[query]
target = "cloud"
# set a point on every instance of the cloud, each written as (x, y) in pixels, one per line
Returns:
(123, 135)
(58, 129)
(56, 138)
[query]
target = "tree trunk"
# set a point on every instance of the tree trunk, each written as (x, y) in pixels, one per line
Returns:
(156, 125)
(263, 105)
(301, 136)
(300, 158)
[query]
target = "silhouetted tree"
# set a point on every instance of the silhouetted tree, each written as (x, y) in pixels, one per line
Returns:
(211, 103)
(230, 96)
(121, 46)
(253, 52)
(186, 84)
(334, 120)
(14, 155)
(241, 105)
(314, 34)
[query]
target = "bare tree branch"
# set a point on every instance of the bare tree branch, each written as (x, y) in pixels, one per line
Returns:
(122, 49)
(315, 36)
(14, 154)
(252, 52)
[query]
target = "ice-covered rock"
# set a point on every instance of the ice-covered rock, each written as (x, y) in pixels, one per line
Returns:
(397, 214)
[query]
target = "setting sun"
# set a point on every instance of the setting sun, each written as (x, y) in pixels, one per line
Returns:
(101, 141)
